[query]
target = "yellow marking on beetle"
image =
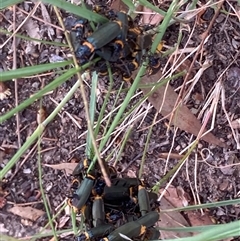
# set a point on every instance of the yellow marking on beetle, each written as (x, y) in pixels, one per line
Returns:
(85, 163)
(90, 176)
(89, 45)
(135, 64)
(75, 210)
(119, 23)
(142, 230)
(103, 73)
(84, 208)
(157, 66)
(127, 78)
(75, 180)
(69, 202)
(160, 46)
(97, 197)
(135, 30)
(120, 42)
(77, 26)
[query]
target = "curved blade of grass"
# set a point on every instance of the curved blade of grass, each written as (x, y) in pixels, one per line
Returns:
(198, 229)
(33, 70)
(79, 11)
(219, 232)
(8, 238)
(205, 205)
(103, 108)
(38, 131)
(129, 4)
(92, 108)
(8, 3)
(42, 190)
(162, 28)
(109, 120)
(152, 7)
(157, 186)
(54, 84)
(33, 39)
(47, 234)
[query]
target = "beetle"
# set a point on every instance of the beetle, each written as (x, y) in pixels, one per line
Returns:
(154, 64)
(82, 194)
(113, 51)
(133, 229)
(98, 211)
(143, 200)
(79, 28)
(91, 183)
(81, 168)
(152, 234)
(102, 36)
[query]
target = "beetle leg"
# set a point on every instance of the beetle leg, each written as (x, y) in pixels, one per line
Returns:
(96, 232)
(152, 234)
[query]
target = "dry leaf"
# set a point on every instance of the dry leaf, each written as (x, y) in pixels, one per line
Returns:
(170, 220)
(176, 196)
(236, 124)
(47, 18)
(3, 202)
(63, 221)
(27, 212)
(2, 229)
(197, 219)
(4, 91)
(32, 29)
(52, 239)
(26, 222)
(118, 5)
(150, 17)
(41, 115)
(183, 117)
(184, 64)
(68, 167)
(131, 173)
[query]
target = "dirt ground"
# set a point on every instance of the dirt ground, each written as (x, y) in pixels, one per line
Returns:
(218, 175)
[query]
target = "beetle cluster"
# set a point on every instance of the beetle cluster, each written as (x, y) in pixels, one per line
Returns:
(120, 41)
(124, 208)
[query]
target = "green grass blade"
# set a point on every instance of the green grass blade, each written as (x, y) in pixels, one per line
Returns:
(8, 3)
(45, 203)
(206, 205)
(8, 238)
(152, 7)
(79, 11)
(33, 70)
(162, 28)
(219, 232)
(92, 107)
